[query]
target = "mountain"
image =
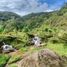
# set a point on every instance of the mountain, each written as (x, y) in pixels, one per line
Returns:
(36, 20)
(47, 25)
(10, 21)
(5, 15)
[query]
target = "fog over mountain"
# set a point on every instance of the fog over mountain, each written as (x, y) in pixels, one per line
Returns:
(24, 7)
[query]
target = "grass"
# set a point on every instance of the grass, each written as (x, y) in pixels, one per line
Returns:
(13, 65)
(58, 48)
(25, 49)
(3, 59)
(14, 59)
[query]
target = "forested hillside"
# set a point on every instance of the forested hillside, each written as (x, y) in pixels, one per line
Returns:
(43, 24)
(10, 21)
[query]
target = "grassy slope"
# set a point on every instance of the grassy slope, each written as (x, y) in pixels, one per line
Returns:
(58, 48)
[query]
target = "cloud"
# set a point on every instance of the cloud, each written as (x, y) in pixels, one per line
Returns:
(23, 6)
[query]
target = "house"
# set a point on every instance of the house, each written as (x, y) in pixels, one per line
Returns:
(36, 40)
(7, 48)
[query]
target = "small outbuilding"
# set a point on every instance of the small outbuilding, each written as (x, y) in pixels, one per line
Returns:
(36, 41)
(7, 48)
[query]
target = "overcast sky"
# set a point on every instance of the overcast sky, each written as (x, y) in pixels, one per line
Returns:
(24, 7)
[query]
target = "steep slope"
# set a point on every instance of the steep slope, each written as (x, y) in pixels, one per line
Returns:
(36, 20)
(10, 21)
(4, 16)
(48, 26)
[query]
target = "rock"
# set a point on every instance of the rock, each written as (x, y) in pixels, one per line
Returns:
(43, 58)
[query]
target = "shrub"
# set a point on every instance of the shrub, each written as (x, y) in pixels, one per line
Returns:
(3, 59)
(24, 49)
(17, 40)
(54, 40)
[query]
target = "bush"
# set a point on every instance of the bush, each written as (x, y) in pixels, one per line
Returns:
(3, 60)
(54, 40)
(24, 49)
(17, 40)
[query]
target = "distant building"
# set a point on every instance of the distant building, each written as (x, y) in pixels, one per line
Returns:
(7, 48)
(37, 41)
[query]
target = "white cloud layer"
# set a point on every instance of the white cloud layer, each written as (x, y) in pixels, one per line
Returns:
(23, 7)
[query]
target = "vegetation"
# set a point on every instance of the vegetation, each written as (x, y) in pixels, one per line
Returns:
(3, 60)
(15, 30)
(13, 65)
(14, 59)
(51, 27)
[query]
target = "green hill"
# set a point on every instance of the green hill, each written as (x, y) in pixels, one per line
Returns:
(35, 20)
(10, 21)
(50, 26)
